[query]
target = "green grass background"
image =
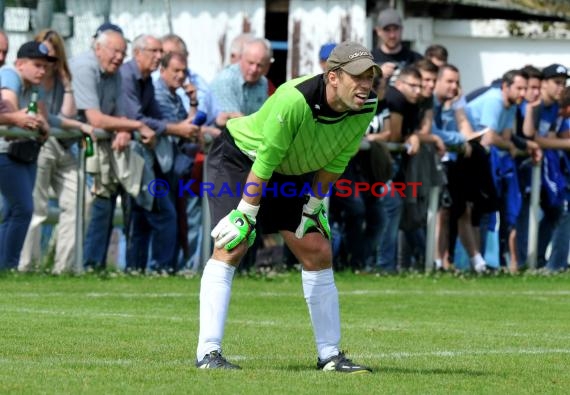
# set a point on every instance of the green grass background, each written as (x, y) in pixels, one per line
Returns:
(420, 334)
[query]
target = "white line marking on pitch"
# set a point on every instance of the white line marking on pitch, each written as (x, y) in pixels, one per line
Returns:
(268, 357)
(365, 292)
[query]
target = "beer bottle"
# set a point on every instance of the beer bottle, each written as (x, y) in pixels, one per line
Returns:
(88, 145)
(33, 104)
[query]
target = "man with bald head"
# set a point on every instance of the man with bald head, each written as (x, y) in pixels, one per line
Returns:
(242, 87)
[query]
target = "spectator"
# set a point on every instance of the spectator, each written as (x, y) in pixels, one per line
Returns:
(451, 125)
(437, 54)
(57, 163)
(558, 260)
(390, 53)
(205, 101)
(242, 87)
(18, 156)
(541, 124)
(524, 165)
(412, 237)
(492, 115)
(428, 72)
(153, 220)
(402, 101)
(237, 45)
(4, 46)
(114, 167)
(324, 54)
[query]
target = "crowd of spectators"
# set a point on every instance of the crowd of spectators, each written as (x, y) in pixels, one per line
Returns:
(478, 147)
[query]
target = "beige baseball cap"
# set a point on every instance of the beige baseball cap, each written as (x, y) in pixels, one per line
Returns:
(352, 58)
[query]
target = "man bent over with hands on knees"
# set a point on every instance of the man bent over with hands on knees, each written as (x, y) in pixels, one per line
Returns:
(310, 127)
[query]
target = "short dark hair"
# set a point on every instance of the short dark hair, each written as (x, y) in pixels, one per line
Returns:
(437, 51)
(446, 66)
(533, 72)
(426, 65)
(509, 77)
(165, 61)
(410, 71)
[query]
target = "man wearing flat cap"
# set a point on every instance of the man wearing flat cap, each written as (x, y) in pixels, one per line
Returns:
(287, 155)
(390, 53)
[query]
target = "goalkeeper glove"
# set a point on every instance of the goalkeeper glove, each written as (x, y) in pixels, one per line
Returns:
(314, 216)
(237, 226)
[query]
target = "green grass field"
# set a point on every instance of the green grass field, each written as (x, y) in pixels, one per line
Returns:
(421, 334)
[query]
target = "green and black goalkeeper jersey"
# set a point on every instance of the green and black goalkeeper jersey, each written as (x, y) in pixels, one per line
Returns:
(296, 132)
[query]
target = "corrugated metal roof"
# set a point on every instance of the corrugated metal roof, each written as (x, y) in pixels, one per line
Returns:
(559, 9)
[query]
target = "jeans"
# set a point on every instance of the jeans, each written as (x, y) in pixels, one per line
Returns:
(98, 233)
(546, 230)
(553, 218)
(156, 229)
(194, 235)
(522, 232)
(362, 217)
(392, 209)
(16, 186)
(560, 242)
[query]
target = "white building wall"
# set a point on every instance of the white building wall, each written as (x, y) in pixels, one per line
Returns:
(484, 50)
(482, 60)
(207, 26)
(323, 21)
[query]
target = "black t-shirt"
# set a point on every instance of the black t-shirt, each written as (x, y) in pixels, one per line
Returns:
(410, 112)
(382, 113)
(425, 104)
(403, 58)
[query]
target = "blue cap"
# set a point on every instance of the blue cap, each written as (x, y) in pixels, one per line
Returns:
(108, 26)
(326, 50)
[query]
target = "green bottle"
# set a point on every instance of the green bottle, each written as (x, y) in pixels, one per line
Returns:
(33, 104)
(88, 145)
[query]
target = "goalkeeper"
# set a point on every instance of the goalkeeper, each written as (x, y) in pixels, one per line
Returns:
(310, 127)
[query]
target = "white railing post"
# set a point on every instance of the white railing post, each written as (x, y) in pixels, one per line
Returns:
(433, 204)
(80, 213)
(532, 253)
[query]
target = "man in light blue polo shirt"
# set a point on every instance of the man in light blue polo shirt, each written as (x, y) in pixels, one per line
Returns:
(242, 87)
(492, 114)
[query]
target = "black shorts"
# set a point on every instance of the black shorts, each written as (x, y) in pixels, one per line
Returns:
(227, 169)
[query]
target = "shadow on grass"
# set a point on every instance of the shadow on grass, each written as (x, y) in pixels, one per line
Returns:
(434, 371)
(399, 370)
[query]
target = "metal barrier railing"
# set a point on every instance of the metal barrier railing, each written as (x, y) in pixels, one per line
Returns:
(433, 202)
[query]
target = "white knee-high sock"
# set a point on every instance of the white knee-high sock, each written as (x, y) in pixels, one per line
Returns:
(215, 292)
(322, 299)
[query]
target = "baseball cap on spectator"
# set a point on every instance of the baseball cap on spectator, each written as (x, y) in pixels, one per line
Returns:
(108, 26)
(389, 17)
(35, 50)
(352, 58)
(555, 70)
(326, 50)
